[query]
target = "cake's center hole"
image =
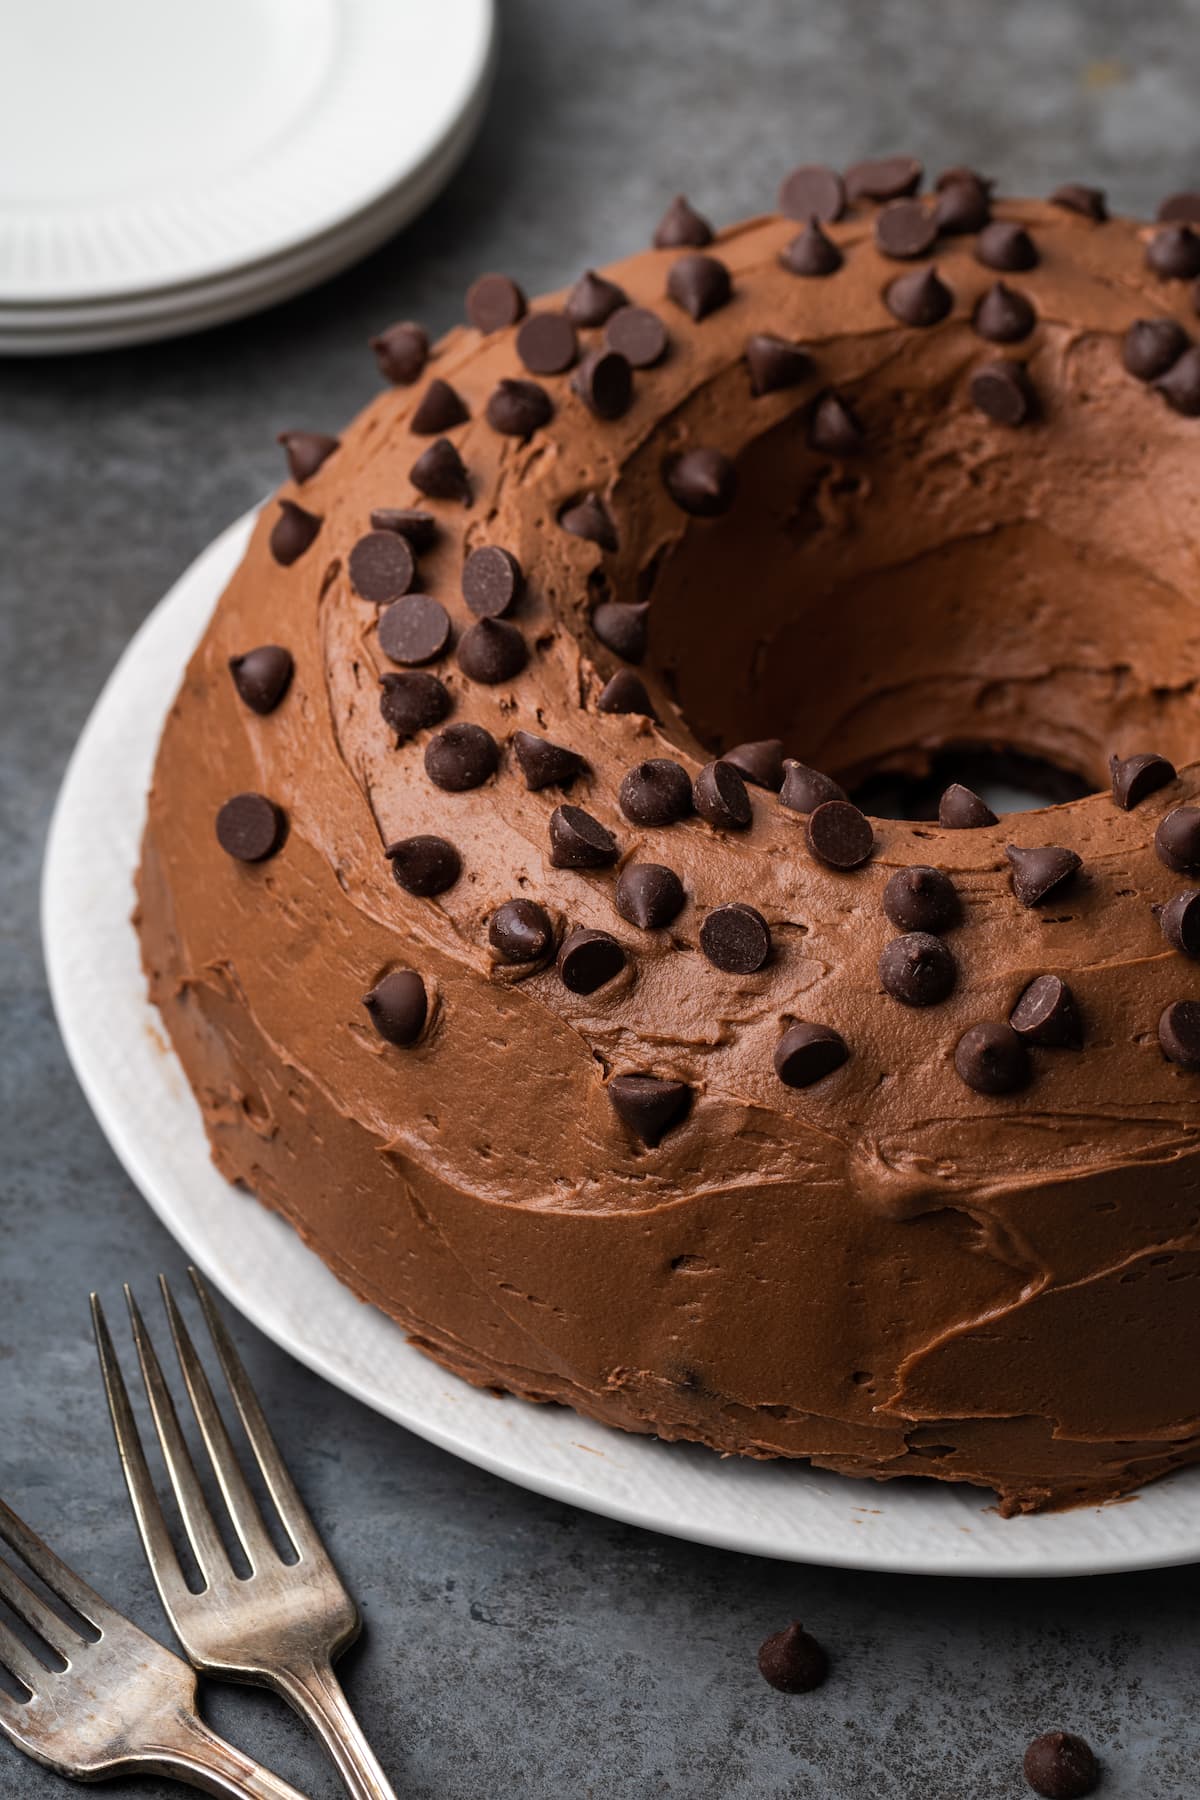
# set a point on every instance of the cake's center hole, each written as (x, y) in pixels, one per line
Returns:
(1009, 780)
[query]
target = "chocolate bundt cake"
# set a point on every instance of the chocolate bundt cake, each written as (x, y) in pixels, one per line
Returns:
(507, 900)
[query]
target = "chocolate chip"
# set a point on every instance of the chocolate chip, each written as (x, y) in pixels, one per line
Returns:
(1077, 198)
(382, 566)
(992, 1059)
(1135, 778)
(1180, 386)
(424, 866)
(544, 764)
(649, 895)
(414, 630)
(520, 931)
(918, 969)
(401, 352)
(834, 429)
(621, 627)
(1180, 922)
(959, 809)
(262, 676)
(1177, 840)
(250, 827)
(461, 757)
(493, 302)
(812, 191)
(638, 335)
(919, 299)
(441, 473)
(589, 518)
(604, 382)
(546, 343)
(519, 408)
(963, 206)
(492, 651)
(1003, 245)
(589, 959)
(803, 789)
(1174, 253)
(811, 253)
(1152, 346)
(839, 834)
(1046, 1014)
(1003, 316)
(883, 178)
(292, 532)
(1003, 391)
(760, 761)
(578, 841)
(792, 1661)
(420, 528)
(921, 899)
(439, 409)
(1038, 873)
(1179, 206)
(702, 482)
(959, 172)
(306, 451)
(412, 702)
(807, 1053)
(681, 224)
(657, 792)
(775, 363)
(1061, 1766)
(625, 692)
(736, 938)
(593, 299)
(904, 229)
(700, 284)
(648, 1105)
(492, 581)
(398, 1007)
(720, 797)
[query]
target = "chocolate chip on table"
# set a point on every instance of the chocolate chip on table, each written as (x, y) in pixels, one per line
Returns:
(649, 1105)
(518, 408)
(700, 284)
(656, 792)
(638, 335)
(959, 809)
(1005, 246)
(492, 651)
(807, 1053)
(588, 960)
(720, 797)
(604, 382)
(905, 229)
(649, 895)
(420, 528)
(621, 627)
(1180, 386)
(412, 702)
(839, 835)
(544, 764)
(803, 789)
(306, 451)
(1177, 840)
(1039, 873)
(546, 343)
(402, 352)
(1152, 346)
(760, 761)
(520, 931)
(1075, 197)
(702, 482)
(736, 938)
(262, 676)
(919, 299)
(382, 566)
(1180, 922)
(590, 519)
(494, 302)
(461, 757)
(439, 409)
(414, 629)
(812, 191)
(1003, 316)
(992, 1059)
(776, 363)
(963, 206)
(793, 1661)
(1135, 778)
(811, 253)
(1179, 206)
(917, 969)
(398, 1007)
(578, 841)
(1003, 392)
(625, 692)
(883, 178)
(593, 299)
(1060, 1766)
(492, 581)
(682, 225)
(441, 473)
(423, 865)
(921, 899)
(1047, 1014)
(292, 532)
(250, 827)
(1174, 253)
(834, 429)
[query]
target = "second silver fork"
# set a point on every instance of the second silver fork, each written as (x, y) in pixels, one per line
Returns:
(283, 1625)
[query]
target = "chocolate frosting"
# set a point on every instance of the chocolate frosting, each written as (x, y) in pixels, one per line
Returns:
(885, 1271)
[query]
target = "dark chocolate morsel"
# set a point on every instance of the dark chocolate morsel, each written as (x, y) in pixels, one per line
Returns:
(736, 938)
(792, 1661)
(1046, 1014)
(420, 528)
(812, 191)
(414, 629)
(589, 518)
(992, 1059)
(921, 899)
(959, 809)
(919, 299)
(492, 651)
(760, 761)
(1152, 346)
(1007, 247)
(1135, 778)
(439, 409)
(682, 225)
(441, 473)
(621, 627)
(776, 363)
(250, 827)
(625, 692)
(578, 841)
(306, 451)
(1061, 1766)
(1039, 872)
(1075, 197)
(656, 792)
(811, 252)
(412, 702)
(546, 343)
(638, 335)
(520, 931)
(1002, 391)
(1003, 316)
(834, 429)
(1179, 206)
(648, 1105)
(702, 482)
(461, 757)
(1180, 922)
(649, 895)
(917, 969)
(959, 173)
(492, 581)
(292, 532)
(839, 835)
(544, 764)
(402, 352)
(493, 302)
(803, 789)
(963, 206)
(424, 865)
(1179, 1033)
(398, 1007)
(518, 408)
(589, 959)
(883, 178)
(700, 284)
(1177, 840)
(904, 229)
(592, 300)
(807, 1053)
(382, 566)
(262, 676)
(1174, 253)
(604, 382)
(1180, 386)
(720, 797)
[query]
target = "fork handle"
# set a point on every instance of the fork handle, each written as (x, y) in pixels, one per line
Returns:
(317, 1695)
(195, 1755)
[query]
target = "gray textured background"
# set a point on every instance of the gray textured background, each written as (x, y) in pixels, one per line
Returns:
(515, 1646)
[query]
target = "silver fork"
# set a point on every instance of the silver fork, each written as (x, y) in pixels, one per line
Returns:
(122, 1705)
(281, 1627)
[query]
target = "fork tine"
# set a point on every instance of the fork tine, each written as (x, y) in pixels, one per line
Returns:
(58, 1578)
(243, 1508)
(33, 1609)
(20, 1661)
(282, 1488)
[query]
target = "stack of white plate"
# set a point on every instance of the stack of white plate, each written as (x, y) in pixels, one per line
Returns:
(166, 165)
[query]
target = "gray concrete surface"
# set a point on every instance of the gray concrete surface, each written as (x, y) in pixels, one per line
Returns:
(515, 1646)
